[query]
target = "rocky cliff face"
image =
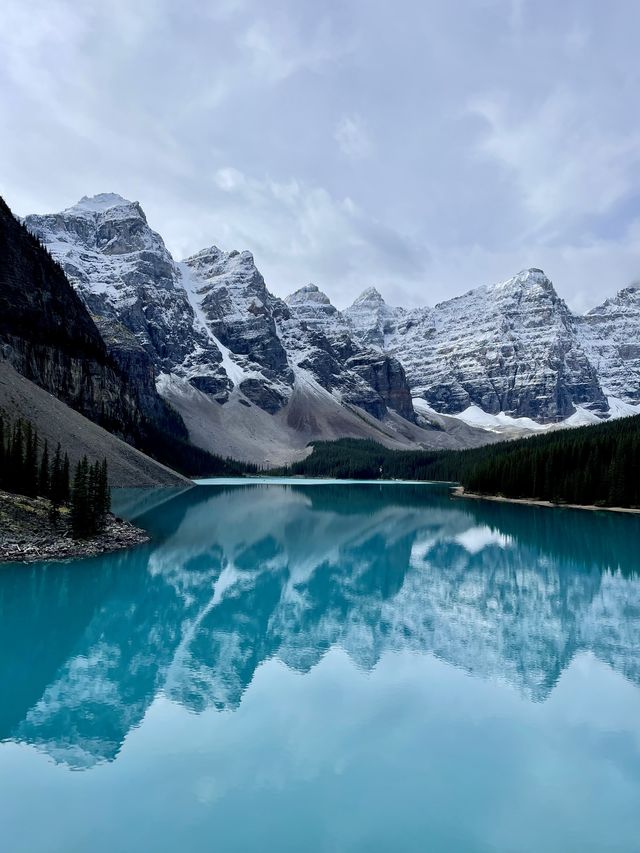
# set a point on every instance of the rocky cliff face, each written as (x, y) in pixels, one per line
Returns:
(47, 334)
(610, 335)
(210, 319)
(372, 320)
(325, 343)
(511, 347)
(132, 287)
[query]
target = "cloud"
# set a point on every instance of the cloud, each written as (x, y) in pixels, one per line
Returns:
(565, 164)
(352, 137)
(276, 53)
(300, 233)
(410, 147)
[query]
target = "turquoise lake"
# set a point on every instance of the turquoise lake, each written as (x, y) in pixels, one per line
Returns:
(326, 667)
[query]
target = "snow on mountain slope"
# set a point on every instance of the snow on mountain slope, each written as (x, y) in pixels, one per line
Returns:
(373, 321)
(322, 341)
(131, 285)
(510, 347)
(610, 335)
(314, 307)
(209, 323)
(501, 359)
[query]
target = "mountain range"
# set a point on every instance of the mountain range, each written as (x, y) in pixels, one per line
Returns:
(256, 377)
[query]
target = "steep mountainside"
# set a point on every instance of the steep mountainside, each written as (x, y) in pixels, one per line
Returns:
(130, 284)
(209, 320)
(363, 376)
(512, 347)
(372, 320)
(77, 435)
(225, 351)
(47, 334)
(610, 335)
(220, 347)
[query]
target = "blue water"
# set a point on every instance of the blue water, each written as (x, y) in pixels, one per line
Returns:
(328, 668)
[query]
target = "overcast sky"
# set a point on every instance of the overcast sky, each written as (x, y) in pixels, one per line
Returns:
(421, 146)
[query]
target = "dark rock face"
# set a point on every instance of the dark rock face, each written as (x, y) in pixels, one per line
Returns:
(243, 317)
(385, 375)
(264, 396)
(319, 334)
(209, 319)
(48, 335)
(126, 277)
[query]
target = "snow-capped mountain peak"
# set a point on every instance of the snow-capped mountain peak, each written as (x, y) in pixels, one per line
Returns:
(369, 295)
(210, 323)
(101, 202)
(314, 308)
(373, 321)
(310, 293)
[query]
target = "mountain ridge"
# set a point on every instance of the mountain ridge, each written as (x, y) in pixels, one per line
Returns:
(511, 349)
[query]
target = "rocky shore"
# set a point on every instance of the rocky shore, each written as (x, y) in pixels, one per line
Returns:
(28, 534)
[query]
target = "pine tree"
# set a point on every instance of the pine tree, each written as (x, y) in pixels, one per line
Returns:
(15, 459)
(102, 494)
(80, 510)
(30, 473)
(44, 481)
(56, 491)
(106, 491)
(66, 480)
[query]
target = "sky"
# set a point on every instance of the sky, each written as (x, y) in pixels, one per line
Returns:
(423, 147)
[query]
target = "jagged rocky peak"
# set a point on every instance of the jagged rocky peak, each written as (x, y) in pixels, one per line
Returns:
(509, 347)
(530, 283)
(369, 296)
(97, 204)
(310, 294)
(132, 287)
(234, 271)
(372, 320)
(110, 225)
(610, 335)
(625, 301)
(106, 222)
(314, 308)
(239, 310)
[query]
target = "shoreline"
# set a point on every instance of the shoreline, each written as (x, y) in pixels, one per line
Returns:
(459, 492)
(27, 534)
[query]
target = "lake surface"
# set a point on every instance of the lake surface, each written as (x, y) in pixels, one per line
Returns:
(353, 667)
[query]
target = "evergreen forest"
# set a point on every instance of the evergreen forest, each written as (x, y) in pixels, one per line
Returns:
(592, 465)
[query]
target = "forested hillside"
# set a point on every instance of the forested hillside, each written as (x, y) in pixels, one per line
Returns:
(590, 465)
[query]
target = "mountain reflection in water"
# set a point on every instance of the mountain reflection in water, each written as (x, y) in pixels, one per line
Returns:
(236, 575)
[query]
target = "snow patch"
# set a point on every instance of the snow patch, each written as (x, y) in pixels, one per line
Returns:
(475, 416)
(192, 285)
(476, 539)
(621, 409)
(581, 417)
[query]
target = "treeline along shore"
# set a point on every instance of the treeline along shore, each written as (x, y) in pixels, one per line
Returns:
(45, 512)
(590, 466)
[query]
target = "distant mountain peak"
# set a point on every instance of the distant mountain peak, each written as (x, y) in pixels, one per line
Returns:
(101, 202)
(370, 294)
(310, 293)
